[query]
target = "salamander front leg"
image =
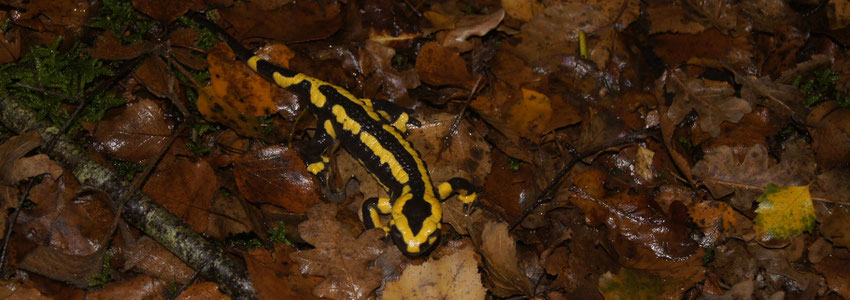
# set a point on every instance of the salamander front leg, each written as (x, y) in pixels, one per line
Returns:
(467, 193)
(371, 210)
(314, 154)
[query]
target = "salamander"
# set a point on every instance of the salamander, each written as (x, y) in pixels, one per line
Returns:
(373, 132)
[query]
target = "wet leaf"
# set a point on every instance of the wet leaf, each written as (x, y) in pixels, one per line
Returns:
(467, 26)
(15, 167)
(11, 46)
(184, 185)
(269, 269)
(276, 175)
(51, 263)
(238, 97)
(135, 132)
(501, 262)
(835, 271)
(831, 136)
(164, 11)
(454, 276)
(343, 259)
(315, 20)
(713, 101)
(438, 65)
(784, 212)
(634, 284)
(203, 290)
(150, 257)
(154, 74)
(109, 47)
(672, 18)
(139, 287)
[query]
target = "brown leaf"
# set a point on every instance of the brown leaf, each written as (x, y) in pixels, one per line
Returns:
(672, 18)
(438, 65)
(24, 293)
(835, 271)
(454, 276)
(203, 290)
(393, 84)
(276, 175)
(832, 184)
(15, 167)
(135, 132)
(269, 269)
(66, 219)
(834, 227)
(238, 97)
(831, 135)
(522, 10)
(182, 41)
(675, 49)
(139, 287)
(344, 261)
(555, 32)
(75, 269)
(164, 11)
(470, 25)
(184, 185)
(109, 47)
(150, 257)
(714, 102)
(153, 73)
(501, 261)
(722, 174)
(511, 190)
(315, 20)
(10, 46)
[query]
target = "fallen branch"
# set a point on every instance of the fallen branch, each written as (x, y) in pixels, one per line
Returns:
(140, 210)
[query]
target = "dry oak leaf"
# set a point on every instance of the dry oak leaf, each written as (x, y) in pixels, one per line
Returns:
(343, 259)
(723, 175)
(467, 26)
(135, 132)
(714, 101)
(453, 276)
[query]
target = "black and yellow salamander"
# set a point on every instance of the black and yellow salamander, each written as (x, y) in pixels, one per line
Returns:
(373, 132)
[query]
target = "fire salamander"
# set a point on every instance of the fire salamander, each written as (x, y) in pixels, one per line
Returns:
(373, 132)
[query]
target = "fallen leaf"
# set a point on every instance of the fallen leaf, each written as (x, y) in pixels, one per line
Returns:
(501, 261)
(139, 287)
(109, 47)
(714, 102)
(150, 257)
(74, 269)
(723, 175)
(831, 135)
(832, 184)
(164, 11)
(135, 132)
(835, 271)
(315, 20)
(555, 32)
(154, 74)
(834, 227)
(268, 269)
(184, 185)
(838, 15)
(438, 65)
(672, 17)
(15, 167)
(393, 84)
(784, 212)
(343, 259)
(454, 276)
(276, 175)
(522, 10)
(635, 284)
(11, 46)
(203, 290)
(467, 26)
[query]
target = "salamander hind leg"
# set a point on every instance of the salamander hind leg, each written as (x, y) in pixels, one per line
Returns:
(467, 193)
(371, 210)
(314, 154)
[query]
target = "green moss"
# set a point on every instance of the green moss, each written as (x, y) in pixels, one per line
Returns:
(278, 234)
(126, 169)
(208, 37)
(121, 18)
(51, 83)
(105, 275)
(820, 86)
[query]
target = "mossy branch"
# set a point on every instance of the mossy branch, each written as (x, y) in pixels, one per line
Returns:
(140, 210)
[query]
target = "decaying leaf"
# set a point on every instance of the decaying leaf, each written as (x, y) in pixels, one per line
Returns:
(502, 263)
(109, 47)
(635, 284)
(467, 26)
(14, 167)
(723, 175)
(555, 32)
(834, 227)
(139, 287)
(315, 20)
(343, 259)
(784, 212)
(439, 65)
(522, 9)
(714, 101)
(135, 132)
(268, 269)
(150, 257)
(672, 18)
(454, 276)
(276, 175)
(203, 290)
(197, 184)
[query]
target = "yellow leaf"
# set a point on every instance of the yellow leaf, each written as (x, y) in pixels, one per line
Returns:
(532, 113)
(452, 277)
(784, 211)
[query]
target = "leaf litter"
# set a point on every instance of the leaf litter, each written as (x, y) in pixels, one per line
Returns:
(739, 194)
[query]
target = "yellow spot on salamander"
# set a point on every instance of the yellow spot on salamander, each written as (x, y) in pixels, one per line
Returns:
(373, 214)
(401, 122)
(384, 205)
(469, 198)
(252, 62)
(316, 168)
(385, 155)
(329, 128)
(348, 124)
(445, 189)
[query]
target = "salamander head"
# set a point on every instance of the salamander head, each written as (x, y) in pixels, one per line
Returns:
(415, 224)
